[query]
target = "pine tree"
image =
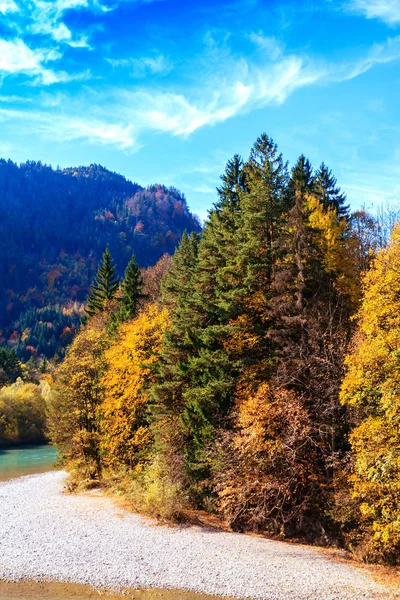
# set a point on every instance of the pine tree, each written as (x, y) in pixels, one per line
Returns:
(104, 287)
(233, 182)
(131, 291)
(329, 193)
(301, 179)
(10, 366)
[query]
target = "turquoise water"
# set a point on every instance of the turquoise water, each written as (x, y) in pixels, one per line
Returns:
(26, 460)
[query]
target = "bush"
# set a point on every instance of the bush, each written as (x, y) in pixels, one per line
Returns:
(22, 414)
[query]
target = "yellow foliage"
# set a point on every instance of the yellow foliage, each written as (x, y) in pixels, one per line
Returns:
(75, 400)
(125, 432)
(22, 413)
(336, 247)
(372, 387)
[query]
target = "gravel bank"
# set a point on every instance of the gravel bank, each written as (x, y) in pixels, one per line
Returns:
(47, 534)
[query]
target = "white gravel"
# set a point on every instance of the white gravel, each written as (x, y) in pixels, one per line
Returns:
(45, 534)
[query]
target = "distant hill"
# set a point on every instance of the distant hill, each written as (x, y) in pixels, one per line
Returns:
(55, 225)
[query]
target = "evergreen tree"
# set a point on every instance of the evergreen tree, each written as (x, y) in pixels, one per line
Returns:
(233, 182)
(131, 291)
(301, 179)
(329, 193)
(104, 287)
(10, 366)
(261, 211)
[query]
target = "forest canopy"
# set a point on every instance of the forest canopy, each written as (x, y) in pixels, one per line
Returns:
(54, 227)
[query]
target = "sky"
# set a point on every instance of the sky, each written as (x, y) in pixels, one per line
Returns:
(166, 91)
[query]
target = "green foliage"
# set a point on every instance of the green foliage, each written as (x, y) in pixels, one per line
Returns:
(131, 290)
(328, 193)
(76, 399)
(46, 332)
(129, 295)
(104, 287)
(10, 366)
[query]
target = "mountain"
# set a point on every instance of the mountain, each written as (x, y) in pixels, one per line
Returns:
(54, 226)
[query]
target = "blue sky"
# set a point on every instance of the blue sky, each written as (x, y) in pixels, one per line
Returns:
(167, 91)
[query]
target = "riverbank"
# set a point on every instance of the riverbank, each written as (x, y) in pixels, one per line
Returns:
(45, 534)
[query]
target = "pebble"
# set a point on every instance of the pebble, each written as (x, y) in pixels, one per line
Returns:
(47, 534)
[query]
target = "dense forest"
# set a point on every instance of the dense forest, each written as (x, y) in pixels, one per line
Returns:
(257, 380)
(253, 375)
(54, 226)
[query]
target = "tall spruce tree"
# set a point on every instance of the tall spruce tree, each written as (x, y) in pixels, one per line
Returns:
(233, 183)
(131, 291)
(301, 179)
(177, 290)
(208, 397)
(329, 193)
(104, 287)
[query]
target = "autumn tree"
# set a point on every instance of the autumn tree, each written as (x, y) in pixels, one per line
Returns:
(129, 373)
(74, 420)
(292, 343)
(23, 414)
(370, 390)
(266, 481)
(153, 276)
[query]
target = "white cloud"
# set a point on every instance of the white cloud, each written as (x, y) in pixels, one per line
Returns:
(387, 11)
(204, 189)
(8, 6)
(18, 58)
(140, 67)
(46, 17)
(233, 86)
(224, 87)
(379, 54)
(218, 98)
(61, 128)
(268, 44)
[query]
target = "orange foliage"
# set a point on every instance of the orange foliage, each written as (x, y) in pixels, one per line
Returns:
(267, 482)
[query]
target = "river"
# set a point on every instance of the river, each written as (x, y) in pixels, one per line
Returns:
(26, 460)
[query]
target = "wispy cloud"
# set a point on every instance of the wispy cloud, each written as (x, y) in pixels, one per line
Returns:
(379, 54)
(387, 11)
(236, 86)
(226, 85)
(47, 19)
(63, 128)
(204, 189)
(268, 44)
(18, 58)
(231, 86)
(142, 66)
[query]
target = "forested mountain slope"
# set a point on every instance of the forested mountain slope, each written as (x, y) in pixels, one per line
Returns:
(54, 227)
